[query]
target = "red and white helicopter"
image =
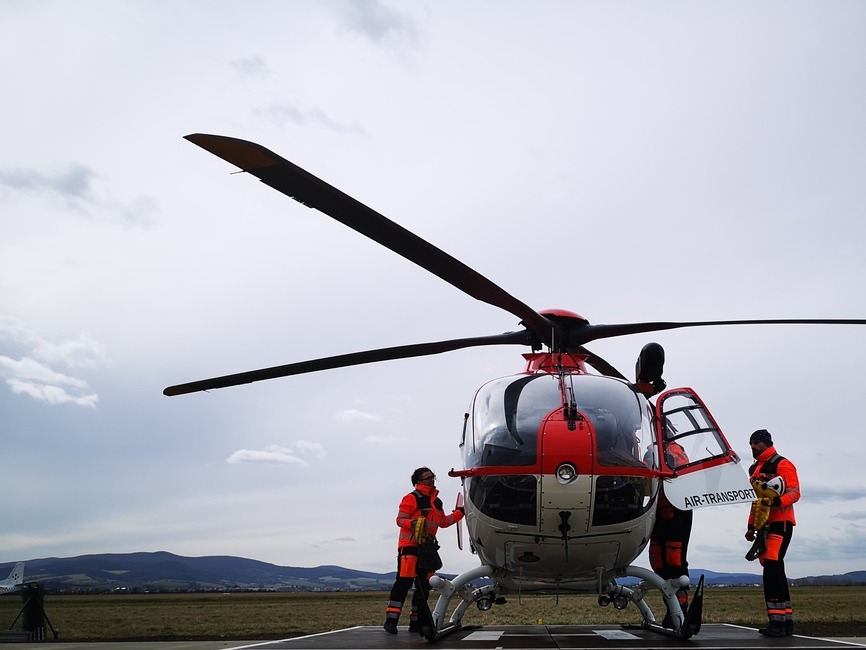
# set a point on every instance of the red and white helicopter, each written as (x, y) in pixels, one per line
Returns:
(561, 467)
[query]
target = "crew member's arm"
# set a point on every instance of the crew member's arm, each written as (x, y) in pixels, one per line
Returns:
(788, 473)
(406, 512)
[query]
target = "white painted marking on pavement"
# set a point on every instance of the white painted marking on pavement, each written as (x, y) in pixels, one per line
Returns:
(615, 634)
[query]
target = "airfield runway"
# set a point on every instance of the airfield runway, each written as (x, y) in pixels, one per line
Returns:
(513, 637)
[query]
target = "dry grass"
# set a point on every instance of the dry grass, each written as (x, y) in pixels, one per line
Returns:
(821, 611)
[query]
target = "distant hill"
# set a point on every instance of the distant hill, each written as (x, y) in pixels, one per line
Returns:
(846, 579)
(163, 571)
(739, 579)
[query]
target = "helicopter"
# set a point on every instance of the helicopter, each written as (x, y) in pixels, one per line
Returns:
(562, 467)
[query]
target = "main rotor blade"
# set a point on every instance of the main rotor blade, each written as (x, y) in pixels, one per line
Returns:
(600, 364)
(291, 180)
(586, 332)
(523, 337)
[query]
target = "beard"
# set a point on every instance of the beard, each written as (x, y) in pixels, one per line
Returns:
(756, 453)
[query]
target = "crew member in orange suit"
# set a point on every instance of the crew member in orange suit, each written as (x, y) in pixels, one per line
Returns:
(780, 528)
(416, 563)
(669, 540)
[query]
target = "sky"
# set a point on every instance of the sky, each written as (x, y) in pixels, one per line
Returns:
(628, 161)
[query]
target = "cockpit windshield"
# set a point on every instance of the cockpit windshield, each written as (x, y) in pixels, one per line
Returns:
(620, 418)
(508, 415)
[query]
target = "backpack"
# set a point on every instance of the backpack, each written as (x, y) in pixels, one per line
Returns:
(428, 550)
(770, 466)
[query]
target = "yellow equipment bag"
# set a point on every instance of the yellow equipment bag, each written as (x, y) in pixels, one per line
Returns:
(761, 505)
(761, 513)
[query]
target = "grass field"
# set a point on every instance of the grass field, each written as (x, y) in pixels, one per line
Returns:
(819, 611)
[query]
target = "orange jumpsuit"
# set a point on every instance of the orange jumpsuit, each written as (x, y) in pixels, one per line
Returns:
(669, 540)
(409, 569)
(781, 528)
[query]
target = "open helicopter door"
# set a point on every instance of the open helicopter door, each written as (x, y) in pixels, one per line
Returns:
(706, 470)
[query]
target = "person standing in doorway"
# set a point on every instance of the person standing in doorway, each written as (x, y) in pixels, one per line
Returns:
(669, 539)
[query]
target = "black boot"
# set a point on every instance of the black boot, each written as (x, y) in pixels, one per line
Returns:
(774, 629)
(789, 628)
(390, 625)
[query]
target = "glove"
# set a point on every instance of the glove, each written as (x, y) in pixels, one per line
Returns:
(750, 535)
(777, 502)
(461, 510)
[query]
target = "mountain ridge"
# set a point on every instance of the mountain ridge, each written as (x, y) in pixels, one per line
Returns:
(164, 571)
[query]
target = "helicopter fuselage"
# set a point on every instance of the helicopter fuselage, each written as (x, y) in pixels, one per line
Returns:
(558, 494)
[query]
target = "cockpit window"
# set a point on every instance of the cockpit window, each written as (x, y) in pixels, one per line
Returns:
(620, 419)
(507, 415)
(620, 498)
(508, 498)
(690, 434)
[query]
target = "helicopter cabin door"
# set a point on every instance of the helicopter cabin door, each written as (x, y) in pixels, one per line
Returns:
(705, 470)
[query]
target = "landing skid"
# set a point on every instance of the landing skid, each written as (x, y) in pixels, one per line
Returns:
(468, 594)
(684, 626)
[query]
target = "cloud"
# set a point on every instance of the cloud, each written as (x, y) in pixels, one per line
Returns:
(835, 493)
(343, 539)
(251, 66)
(30, 369)
(82, 352)
(381, 441)
(72, 183)
(275, 454)
(377, 22)
(32, 374)
(844, 542)
(271, 454)
(49, 393)
(138, 213)
(280, 114)
(347, 416)
(307, 448)
(78, 187)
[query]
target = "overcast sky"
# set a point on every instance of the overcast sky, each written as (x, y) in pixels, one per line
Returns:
(628, 161)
